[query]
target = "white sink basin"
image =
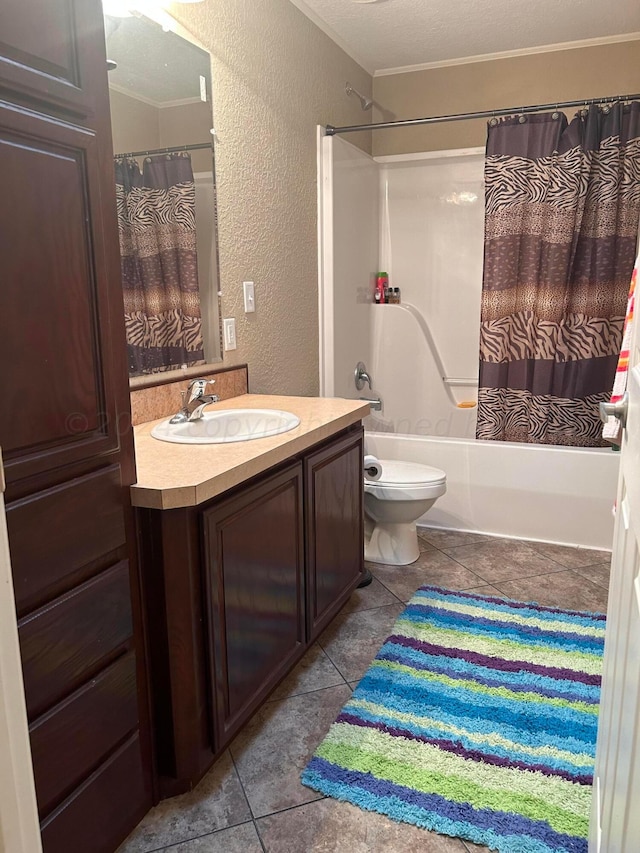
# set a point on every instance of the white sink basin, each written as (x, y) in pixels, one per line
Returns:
(227, 425)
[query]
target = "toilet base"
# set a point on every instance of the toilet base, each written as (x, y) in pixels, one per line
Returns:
(393, 544)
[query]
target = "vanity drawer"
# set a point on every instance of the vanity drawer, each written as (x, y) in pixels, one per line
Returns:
(71, 740)
(67, 641)
(56, 533)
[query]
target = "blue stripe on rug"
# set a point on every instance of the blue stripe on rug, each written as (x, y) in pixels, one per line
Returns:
(518, 682)
(458, 700)
(566, 742)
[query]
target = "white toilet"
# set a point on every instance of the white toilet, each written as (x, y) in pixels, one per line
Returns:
(392, 504)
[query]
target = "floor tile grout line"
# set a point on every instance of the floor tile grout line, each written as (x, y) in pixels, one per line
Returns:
(557, 571)
(337, 668)
(255, 826)
(291, 808)
(242, 788)
(541, 575)
(193, 837)
(307, 692)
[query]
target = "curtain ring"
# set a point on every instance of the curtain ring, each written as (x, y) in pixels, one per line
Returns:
(521, 119)
(556, 115)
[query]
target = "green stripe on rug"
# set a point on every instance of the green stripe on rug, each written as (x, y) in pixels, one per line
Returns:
(462, 788)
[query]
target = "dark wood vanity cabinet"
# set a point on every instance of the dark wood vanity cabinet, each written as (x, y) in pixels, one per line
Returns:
(334, 524)
(237, 590)
(254, 585)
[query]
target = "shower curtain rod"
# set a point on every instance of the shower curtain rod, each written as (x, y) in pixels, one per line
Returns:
(413, 122)
(173, 150)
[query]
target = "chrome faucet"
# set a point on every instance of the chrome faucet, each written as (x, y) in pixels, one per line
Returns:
(194, 401)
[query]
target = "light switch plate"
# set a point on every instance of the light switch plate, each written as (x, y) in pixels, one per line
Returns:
(229, 328)
(249, 297)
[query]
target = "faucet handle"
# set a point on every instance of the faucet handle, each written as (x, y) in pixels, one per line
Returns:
(361, 376)
(195, 389)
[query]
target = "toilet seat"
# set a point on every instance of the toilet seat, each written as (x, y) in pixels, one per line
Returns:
(407, 481)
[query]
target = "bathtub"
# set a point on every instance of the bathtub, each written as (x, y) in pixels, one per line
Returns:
(562, 495)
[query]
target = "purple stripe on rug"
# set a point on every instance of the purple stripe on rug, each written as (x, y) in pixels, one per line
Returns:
(457, 749)
(494, 663)
(524, 605)
(505, 823)
(549, 693)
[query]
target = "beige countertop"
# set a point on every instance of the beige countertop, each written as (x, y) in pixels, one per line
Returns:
(178, 475)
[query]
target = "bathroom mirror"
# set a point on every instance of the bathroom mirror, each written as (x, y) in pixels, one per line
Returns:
(161, 116)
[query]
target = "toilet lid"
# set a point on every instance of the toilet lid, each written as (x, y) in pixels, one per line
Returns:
(409, 474)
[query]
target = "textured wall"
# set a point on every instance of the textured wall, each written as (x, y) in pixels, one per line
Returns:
(275, 77)
(541, 78)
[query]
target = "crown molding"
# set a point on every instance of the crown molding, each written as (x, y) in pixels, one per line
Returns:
(507, 54)
(150, 102)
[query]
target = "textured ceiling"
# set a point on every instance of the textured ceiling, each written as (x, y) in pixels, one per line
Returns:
(157, 66)
(396, 33)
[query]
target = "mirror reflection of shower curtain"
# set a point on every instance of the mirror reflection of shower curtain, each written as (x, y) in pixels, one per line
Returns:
(561, 225)
(157, 227)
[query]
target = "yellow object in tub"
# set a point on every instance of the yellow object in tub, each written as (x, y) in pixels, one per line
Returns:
(467, 404)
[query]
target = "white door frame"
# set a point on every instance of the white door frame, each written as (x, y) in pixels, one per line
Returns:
(19, 827)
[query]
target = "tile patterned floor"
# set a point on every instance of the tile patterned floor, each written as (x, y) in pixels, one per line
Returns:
(252, 800)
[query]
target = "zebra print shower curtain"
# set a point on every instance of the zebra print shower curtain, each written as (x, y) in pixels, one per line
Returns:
(157, 226)
(561, 226)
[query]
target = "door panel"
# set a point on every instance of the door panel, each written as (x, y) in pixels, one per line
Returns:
(48, 535)
(44, 53)
(69, 640)
(29, 45)
(93, 817)
(56, 293)
(74, 737)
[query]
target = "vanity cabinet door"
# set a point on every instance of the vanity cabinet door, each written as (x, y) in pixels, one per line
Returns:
(254, 577)
(334, 526)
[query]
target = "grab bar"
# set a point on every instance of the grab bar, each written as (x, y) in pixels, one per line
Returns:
(426, 333)
(463, 383)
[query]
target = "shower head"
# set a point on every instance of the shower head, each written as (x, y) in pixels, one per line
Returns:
(365, 103)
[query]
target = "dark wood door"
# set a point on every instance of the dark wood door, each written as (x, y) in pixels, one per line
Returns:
(65, 428)
(254, 558)
(334, 525)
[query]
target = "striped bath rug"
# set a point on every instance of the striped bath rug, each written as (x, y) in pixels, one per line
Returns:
(478, 720)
